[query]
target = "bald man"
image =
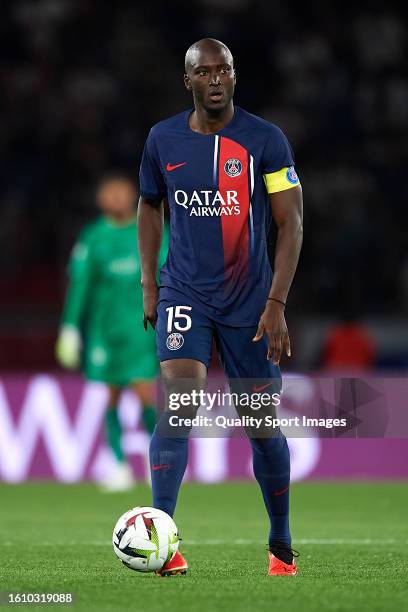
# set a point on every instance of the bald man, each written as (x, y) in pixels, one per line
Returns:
(225, 174)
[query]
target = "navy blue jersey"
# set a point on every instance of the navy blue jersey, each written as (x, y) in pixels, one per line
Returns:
(217, 187)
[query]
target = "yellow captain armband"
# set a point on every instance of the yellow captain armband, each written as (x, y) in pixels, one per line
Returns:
(286, 178)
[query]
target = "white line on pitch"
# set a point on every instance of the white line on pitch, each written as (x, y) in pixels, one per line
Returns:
(313, 541)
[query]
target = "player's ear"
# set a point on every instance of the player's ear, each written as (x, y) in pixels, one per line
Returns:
(187, 82)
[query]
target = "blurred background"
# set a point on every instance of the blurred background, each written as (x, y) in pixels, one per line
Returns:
(82, 83)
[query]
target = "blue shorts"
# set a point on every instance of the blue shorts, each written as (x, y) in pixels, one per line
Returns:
(184, 332)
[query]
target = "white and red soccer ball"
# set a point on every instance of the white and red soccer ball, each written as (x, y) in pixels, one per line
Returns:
(144, 539)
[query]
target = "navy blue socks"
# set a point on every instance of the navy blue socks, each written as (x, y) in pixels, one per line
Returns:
(168, 462)
(271, 463)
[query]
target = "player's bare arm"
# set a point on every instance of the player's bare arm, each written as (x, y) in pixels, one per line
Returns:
(287, 211)
(150, 221)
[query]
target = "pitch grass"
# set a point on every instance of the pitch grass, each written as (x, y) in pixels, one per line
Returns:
(56, 538)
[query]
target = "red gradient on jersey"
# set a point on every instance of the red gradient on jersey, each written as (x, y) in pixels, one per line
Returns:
(235, 234)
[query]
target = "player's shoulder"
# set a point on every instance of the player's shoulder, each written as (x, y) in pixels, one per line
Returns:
(87, 237)
(257, 124)
(175, 122)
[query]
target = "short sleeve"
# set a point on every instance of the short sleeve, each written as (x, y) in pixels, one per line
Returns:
(277, 153)
(152, 185)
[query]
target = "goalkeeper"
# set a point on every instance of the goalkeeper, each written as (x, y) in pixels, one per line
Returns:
(100, 328)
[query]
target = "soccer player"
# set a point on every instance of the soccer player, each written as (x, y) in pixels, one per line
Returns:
(225, 173)
(102, 311)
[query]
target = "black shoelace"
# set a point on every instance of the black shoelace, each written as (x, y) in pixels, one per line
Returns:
(284, 552)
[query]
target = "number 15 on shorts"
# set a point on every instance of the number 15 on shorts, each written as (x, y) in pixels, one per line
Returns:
(177, 319)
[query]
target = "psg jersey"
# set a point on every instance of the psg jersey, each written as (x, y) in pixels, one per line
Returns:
(217, 189)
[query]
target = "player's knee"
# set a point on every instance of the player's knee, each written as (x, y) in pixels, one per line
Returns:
(114, 396)
(145, 392)
(173, 369)
(183, 380)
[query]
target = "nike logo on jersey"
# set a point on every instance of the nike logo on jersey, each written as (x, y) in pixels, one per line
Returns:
(171, 167)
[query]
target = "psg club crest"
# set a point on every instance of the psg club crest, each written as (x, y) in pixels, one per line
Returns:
(233, 167)
(174, 341)
(291, 175)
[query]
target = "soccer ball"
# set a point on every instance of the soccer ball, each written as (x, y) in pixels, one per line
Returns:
(144, 539)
